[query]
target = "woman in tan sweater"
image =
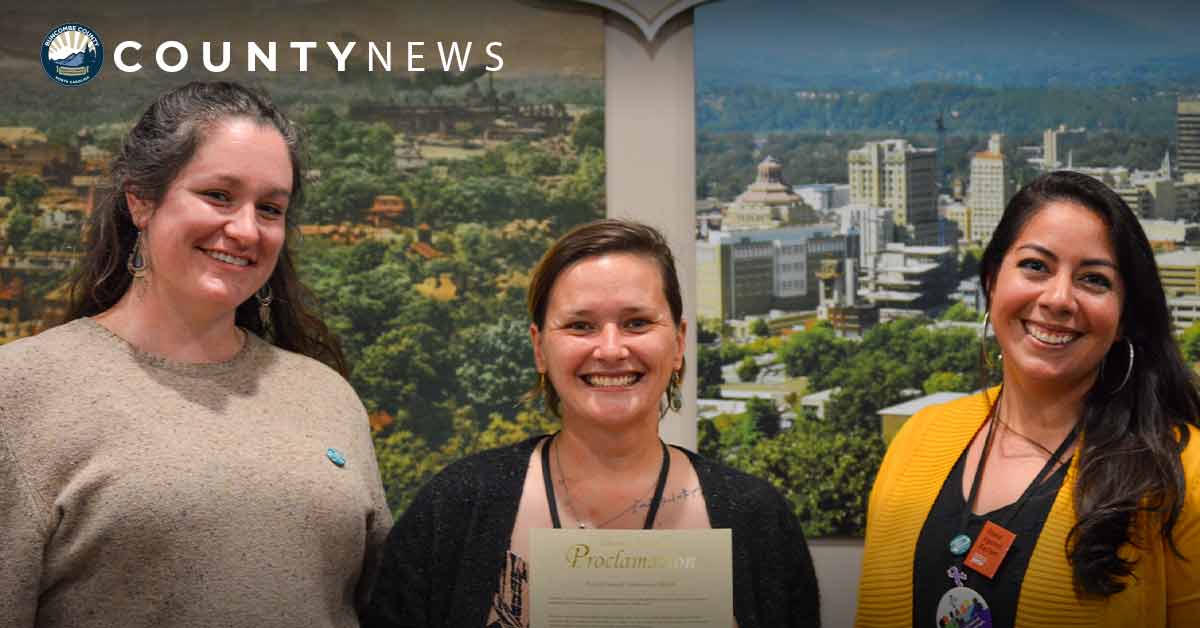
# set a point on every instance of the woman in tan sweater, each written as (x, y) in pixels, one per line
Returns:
(184, 451)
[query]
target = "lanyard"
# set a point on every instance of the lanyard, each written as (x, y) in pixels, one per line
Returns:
(654, 502)
(1037, 480)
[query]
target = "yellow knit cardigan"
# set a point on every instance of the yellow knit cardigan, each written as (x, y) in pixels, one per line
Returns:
(1164, 591)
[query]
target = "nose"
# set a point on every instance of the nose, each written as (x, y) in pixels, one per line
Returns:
(1059, 294)
(242, 224)
(611, 344)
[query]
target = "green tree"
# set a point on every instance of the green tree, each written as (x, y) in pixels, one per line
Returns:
(748, 369)
(1189, 343)
(814, 353)
(764, 415)
(960, 311)
(945, 381)
(18, 226)
(968, 264)
(498, 366)
(759, 328)
(25, 190)
(589, 131)
(708, 374)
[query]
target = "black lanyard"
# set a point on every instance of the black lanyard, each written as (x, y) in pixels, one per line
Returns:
(1037, 480)
(654, 502)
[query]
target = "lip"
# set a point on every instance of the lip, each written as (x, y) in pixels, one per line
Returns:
(637, 378)
(250, 262)
(1046, 329)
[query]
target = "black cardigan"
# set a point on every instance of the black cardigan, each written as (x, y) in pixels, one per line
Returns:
(443, 559)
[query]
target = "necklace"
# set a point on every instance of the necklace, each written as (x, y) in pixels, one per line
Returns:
(962, 541)
(655, 501)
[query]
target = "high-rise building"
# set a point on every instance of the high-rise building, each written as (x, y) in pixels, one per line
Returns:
(990, 190)
(1057, 145)
(893, 174)
(1187, 133)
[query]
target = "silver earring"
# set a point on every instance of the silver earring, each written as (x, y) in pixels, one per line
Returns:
(136, 263)
(1128, 369)
(265, 297)
(674, 392)
(983, 344)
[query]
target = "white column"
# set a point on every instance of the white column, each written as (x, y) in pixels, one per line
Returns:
(650, 146)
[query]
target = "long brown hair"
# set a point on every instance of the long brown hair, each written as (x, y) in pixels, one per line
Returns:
(1132, 432)
(154, 152)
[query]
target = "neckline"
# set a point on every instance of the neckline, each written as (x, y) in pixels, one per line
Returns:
(651, 513)
(95, 329)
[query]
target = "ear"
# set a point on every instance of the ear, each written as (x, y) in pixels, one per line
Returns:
(680, 343)
(538, 358)
(140, 209)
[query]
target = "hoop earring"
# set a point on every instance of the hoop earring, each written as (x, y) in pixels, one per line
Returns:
(675, 392)
(1128, 369)
(983, 346)
(265, 297)
(137, 264)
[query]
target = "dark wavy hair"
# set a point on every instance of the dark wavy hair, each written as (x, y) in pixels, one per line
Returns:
(1129, 459)
(599, 237)
(154, 152)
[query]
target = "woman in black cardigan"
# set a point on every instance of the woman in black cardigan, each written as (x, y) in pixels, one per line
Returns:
(608, 337)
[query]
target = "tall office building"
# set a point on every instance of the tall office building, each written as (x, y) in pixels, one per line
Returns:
(990, 190)
(900, 177)
(1057, 145)
(1187, 133)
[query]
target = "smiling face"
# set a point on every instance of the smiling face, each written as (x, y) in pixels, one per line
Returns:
(213, 238)
(1057, 297)
(609, 344)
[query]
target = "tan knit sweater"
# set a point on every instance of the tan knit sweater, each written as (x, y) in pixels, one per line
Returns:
(139, 492)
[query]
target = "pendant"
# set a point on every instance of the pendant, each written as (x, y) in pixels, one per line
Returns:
(960, 544)
(963, 607)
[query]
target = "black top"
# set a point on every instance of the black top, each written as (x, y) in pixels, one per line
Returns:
(445, 555)
(933, 557)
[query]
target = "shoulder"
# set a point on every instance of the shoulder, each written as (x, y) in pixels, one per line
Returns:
(964, 414)
(735, 493)
(1190, 460)
(306, 375)
(494, 471)
(49, 355)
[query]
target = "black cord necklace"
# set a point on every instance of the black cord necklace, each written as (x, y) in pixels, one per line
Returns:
(962, 541)
(655, 501)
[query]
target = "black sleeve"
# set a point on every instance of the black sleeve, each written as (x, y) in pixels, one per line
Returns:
(401, 595)
(804, 599)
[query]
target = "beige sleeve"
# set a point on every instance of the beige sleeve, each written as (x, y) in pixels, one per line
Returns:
(22, 536)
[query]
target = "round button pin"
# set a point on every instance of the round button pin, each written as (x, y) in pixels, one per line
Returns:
(335, 457)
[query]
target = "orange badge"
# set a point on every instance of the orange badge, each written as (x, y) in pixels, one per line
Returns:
(989, 549)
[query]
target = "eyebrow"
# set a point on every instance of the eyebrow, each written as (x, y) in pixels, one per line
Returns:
(624, 311)
(230, 180)
(1048, 253)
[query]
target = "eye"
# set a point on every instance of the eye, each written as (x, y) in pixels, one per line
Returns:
(217, 195)
(271, 209)
(637, 324)
(578, 326)
(1033, 264)
(1097, 280)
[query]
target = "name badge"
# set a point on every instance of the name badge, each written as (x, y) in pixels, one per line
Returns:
(989, 550)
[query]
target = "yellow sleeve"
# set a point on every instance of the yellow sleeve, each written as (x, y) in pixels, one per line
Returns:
(1183, 575)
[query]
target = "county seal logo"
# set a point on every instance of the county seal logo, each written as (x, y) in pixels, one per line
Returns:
(72, 54)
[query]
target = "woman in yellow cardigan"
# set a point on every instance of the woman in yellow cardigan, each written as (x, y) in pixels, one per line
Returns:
(1067, 496)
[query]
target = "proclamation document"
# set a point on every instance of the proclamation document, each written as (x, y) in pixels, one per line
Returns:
(631, 578)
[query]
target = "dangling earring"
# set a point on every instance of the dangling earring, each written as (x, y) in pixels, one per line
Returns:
(265, 298)
(1128, 369)
(675, 392)
(137, 264)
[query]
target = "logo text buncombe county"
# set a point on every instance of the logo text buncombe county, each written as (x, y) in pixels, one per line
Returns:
(579, 556)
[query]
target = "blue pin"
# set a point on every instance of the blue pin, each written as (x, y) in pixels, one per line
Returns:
(335, 457)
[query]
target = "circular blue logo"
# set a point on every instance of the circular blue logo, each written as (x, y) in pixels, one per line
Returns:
(72, 54)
